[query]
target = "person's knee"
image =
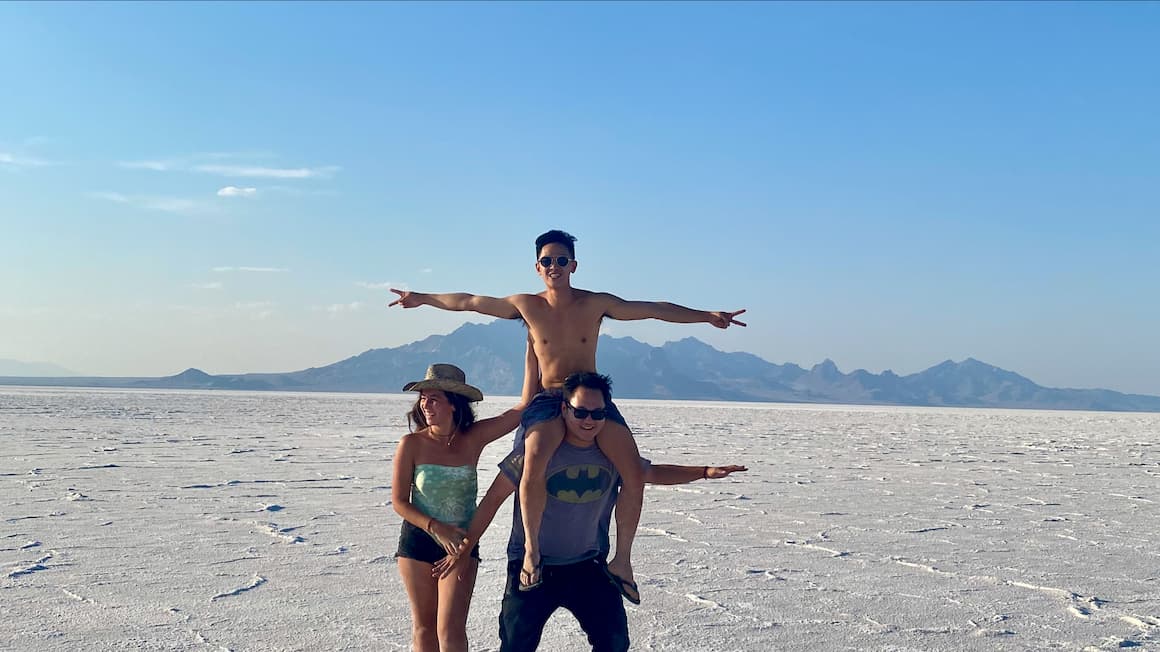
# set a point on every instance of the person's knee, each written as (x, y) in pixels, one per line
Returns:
(620, 449)
(546, 435)
(538, 449)
(425, 635)
(617, 440)
(452, 638)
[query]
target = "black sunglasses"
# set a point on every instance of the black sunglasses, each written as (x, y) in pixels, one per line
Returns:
(583, 413)
(561, 261)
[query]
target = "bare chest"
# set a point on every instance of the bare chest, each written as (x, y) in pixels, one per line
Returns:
(577, 327)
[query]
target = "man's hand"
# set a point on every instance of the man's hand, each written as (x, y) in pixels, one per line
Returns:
(450, 565)
(715, 472)
(719, 319)
(408, 299)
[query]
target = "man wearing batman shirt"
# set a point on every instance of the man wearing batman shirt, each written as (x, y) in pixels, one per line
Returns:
(582, 488)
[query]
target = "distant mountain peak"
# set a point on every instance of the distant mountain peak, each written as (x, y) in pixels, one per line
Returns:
(825, 365)
(689, 344)
(970, 363)
(192, 374)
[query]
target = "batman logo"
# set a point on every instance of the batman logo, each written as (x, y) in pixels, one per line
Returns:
(580, 483)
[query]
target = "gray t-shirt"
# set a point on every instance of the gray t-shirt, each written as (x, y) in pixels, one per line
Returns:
(582, 490)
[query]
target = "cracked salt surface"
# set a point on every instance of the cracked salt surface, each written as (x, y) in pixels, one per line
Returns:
(143, 519)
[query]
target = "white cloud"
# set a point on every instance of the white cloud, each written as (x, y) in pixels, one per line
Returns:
(256, 309)
(16, 160)
(252, 269)
(178, 163)
(234, 191)
(268, 172)
(353, 306)
(157, 166)
(385, 285)
(206, 286)
(165, 204)
(336, 309)
(112, 196)
(426, 270)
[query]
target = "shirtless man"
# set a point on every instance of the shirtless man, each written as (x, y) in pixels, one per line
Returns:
(564, 326)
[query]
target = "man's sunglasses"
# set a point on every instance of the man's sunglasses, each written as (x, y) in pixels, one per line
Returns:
(561, 261)
(583, 413)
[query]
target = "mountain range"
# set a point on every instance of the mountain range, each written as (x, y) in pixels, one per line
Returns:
(492, 357)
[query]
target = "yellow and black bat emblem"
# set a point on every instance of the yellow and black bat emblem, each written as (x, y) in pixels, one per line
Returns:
(580, 483)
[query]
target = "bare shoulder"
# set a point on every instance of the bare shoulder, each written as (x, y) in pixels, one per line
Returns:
(602, 298)
(408, 442)
(525, 300)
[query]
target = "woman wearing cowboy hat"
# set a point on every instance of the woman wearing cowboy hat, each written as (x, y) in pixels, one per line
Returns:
(434, 489)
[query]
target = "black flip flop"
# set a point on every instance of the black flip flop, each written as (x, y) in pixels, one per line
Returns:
(624, 585)
(536, 574)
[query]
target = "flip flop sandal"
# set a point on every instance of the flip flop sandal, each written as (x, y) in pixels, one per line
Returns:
(627, 588)
(531, 579)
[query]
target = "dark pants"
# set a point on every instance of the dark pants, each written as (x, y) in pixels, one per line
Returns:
(581, 588)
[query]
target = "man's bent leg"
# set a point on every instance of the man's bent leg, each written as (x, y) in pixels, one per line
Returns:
(619, 447)
(523, 614)
(541, 442)
(598, 607)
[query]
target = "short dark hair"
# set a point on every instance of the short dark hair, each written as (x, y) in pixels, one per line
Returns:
(462, 416)
(591, 380)
(556, 236)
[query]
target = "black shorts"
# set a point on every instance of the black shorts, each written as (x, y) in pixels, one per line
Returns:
(420, 546)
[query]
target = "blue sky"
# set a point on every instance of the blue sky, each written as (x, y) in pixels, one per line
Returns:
(232, 186)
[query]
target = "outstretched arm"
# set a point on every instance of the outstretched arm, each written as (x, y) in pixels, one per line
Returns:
(504, 308)
(618, 308)
(677, 474)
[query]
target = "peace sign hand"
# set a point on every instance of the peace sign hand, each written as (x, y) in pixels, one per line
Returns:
(725, 319)
(407, 299)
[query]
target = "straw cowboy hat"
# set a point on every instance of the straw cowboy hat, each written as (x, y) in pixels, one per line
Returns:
(448, 378)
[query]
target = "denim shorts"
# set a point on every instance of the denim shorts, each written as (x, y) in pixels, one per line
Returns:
(545, 406)
(420, 546)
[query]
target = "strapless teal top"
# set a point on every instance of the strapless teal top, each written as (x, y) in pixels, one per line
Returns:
(445, 492)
